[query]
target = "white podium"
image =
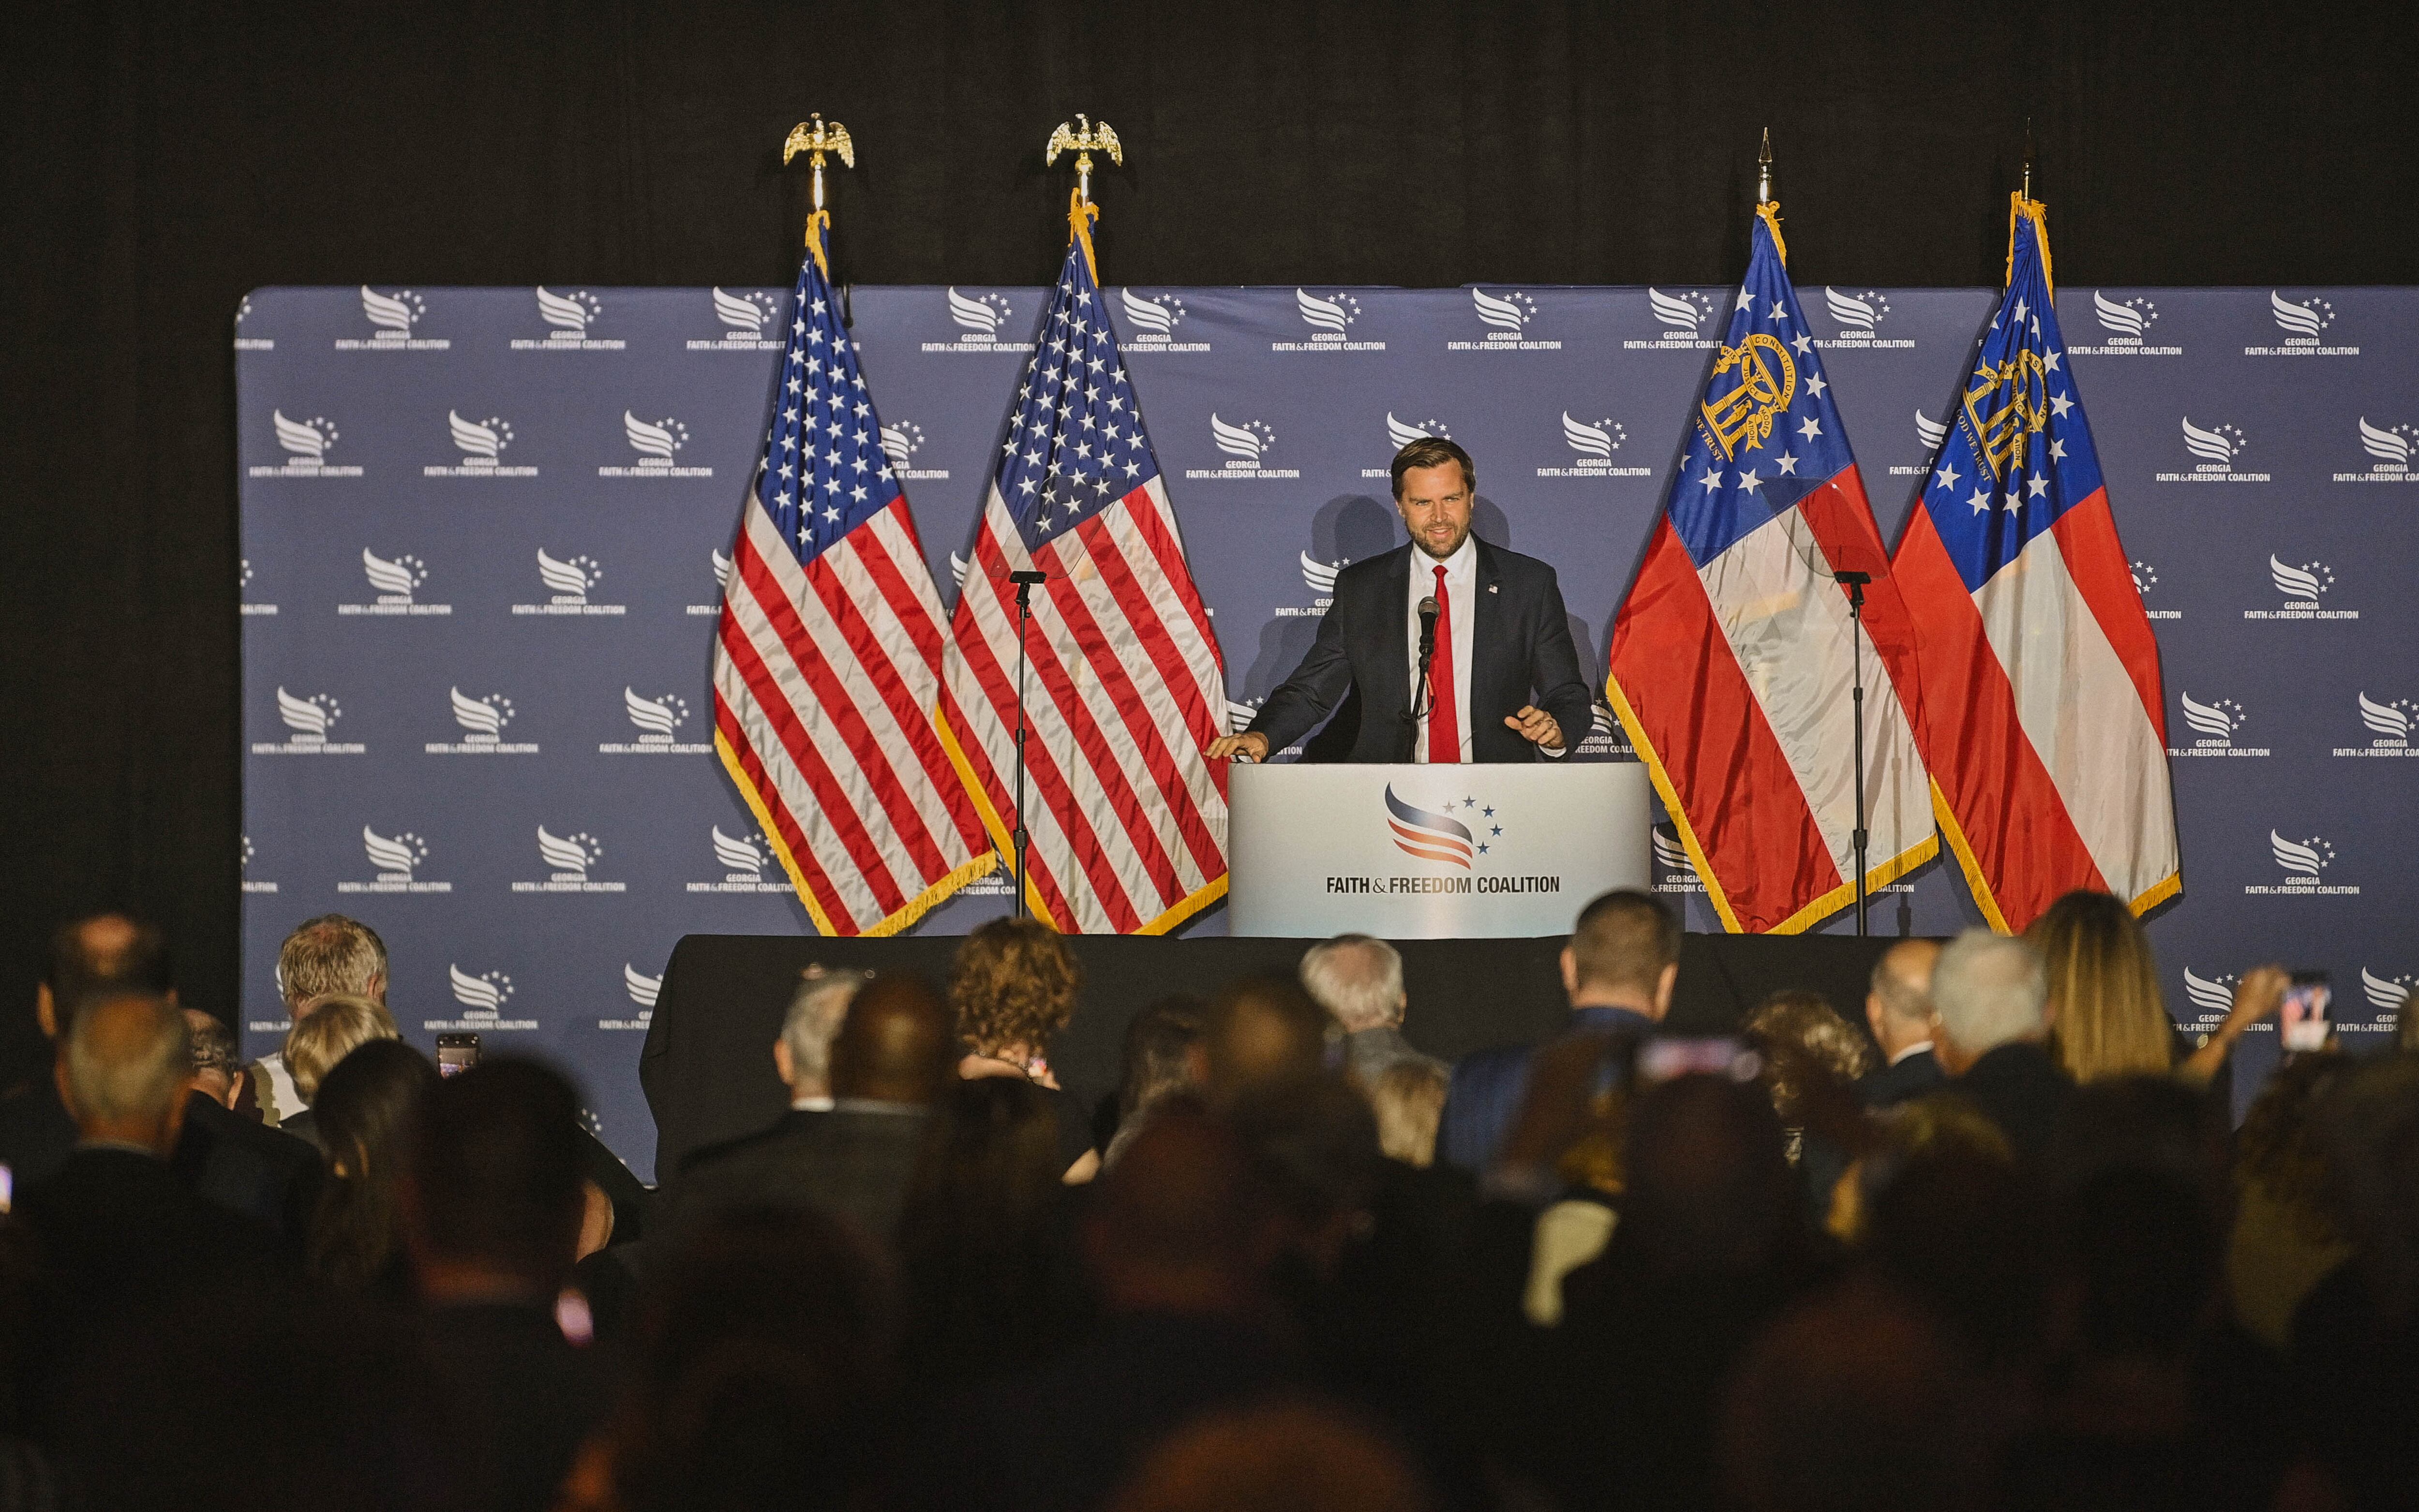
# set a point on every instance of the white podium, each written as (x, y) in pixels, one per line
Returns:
(1419, 852)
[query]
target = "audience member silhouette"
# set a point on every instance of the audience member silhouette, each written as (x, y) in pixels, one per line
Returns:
(365, 1106)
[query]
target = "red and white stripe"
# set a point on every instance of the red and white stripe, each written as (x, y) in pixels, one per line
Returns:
(1734, 681)
(1124, 689)
(824, 676)
(2046, 734)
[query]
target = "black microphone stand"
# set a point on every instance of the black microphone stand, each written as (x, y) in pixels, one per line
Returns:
(1422, 695)
(1855, 585)
(1018, 837)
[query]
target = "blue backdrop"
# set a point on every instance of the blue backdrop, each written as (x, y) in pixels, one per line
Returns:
(483, 528)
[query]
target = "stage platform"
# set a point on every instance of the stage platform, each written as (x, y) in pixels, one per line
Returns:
(707, 1068)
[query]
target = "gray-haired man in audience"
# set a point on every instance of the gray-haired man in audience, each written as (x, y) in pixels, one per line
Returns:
(1990, 995)
(329, 954)
(1359, 981)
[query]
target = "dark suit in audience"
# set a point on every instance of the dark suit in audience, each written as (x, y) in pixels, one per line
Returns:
(1902, 1082)
(853, 1160)
(265, 1174)
(36, 1134)
(1489, 1087)
(2019, 1088)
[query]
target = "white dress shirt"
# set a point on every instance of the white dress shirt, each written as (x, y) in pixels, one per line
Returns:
(1461, 590)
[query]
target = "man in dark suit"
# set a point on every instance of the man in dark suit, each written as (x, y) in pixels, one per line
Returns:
(889, 1064)
(1502, 678)
(90, 957)
(1898, 1010)
(1989, 1024)
(1618, 969)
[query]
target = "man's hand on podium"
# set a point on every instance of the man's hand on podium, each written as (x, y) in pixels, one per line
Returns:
(1251, 745)
(1536, 726)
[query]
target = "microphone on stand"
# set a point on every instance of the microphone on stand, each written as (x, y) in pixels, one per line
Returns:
(1429, 609)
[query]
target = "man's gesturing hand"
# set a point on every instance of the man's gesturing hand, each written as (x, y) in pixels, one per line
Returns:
(1536, 726)
(1251, 745)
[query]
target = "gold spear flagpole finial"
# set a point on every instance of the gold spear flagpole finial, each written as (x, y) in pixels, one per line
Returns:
(1084, 141)
(815, 138)
(1764, 170)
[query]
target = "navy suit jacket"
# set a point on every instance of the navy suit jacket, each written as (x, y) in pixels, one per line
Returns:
(1487, 1088)
(1910, 1079)
(1520, 654)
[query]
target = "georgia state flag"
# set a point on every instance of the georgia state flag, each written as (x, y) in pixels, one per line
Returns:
(1734, 655)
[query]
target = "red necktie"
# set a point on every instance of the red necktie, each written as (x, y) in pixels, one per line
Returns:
(1444, 718)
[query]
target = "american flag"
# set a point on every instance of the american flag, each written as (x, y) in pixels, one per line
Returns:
(2045, 725)
(1126, 686)
(826, 667)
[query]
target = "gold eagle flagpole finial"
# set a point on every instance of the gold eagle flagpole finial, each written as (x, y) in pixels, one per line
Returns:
(1082, 141)
(815, 137)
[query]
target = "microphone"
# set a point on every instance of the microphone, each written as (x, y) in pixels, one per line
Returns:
(1429, 612)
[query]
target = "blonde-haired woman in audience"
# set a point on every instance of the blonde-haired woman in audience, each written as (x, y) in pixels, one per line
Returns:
(2107, 1016)
(330, 1028)
(1409, 1098)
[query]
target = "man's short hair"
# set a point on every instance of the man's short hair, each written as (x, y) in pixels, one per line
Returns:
(1435, 451)
(331, 954)
(1989, 989)
(129, 1058)
(104, 954)
(327, 1030)
(1900, 998)
(1625, 939)
(214, 1048)
(1358, 979)
(816, 1009)
(1262, 1028)
(496, 1167)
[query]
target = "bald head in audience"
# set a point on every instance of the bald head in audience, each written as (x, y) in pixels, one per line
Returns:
(95, 954)
(1898, 1008)
(125, 1070)
(1261, 1028)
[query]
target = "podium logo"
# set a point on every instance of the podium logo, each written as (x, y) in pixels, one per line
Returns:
(1857, 316)
(658, 721)
(308, 722)
(1151, 321)
(570, 581)
(567, 859)
(742, 858)
(2126, 322)
(657, 443)
(306, 444)
(394, 865)
(1682, 314)
(643, 990)
(1592, 444)
(482, 443)
(1400, 435)
(744, 318)
(2392, 446)
(395, 583)
(900, 441)
(2303, 321)
(391, 317)
(1330, 319)
(243, 863)
(2303, 861)
(483, 998)
(1245, 445)
(482, 721)
(2302, 586)
(1429, 836)
(2216, 445)
(2389, 725)
(2214, 725)
(244, 581)
(1506, 317)
(1673, 871)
